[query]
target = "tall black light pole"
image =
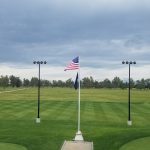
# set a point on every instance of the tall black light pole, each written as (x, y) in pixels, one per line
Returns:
(129, 108)
(39, 85)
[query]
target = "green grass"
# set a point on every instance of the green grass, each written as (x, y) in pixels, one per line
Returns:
(9, 146)
(139, 144)
(103, 117)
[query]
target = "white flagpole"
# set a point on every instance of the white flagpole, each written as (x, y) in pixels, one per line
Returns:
(79, 99)
(79, 136)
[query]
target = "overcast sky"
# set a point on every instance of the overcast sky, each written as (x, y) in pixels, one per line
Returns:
(101, 32)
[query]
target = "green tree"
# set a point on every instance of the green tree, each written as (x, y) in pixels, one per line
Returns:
(18, 82)
(34, 81)
(26, 82)
(45, 83)
(140, 84)
(69, 83)
(132, 83)
(107, 83)
(147, 83)
(15, 81)
(88, 82)
(117, 82)
(96, 84)
(4, 81)
(12, 80)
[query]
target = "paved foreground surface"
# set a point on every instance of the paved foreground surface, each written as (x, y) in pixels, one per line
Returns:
(77, 145)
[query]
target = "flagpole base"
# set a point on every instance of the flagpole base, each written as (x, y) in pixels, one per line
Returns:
(38, 120)
(79, 136)
(129, 123)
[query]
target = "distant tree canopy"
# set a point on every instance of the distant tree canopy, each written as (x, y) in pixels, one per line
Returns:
(86, 82)
(15, 81)
(4, 81)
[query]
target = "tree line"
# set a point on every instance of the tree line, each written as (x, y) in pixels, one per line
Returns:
(86, 82)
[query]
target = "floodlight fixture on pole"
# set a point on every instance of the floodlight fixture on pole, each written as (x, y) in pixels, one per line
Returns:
(39, 85)
(129, 122)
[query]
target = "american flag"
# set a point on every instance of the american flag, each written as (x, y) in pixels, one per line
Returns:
(73, 65)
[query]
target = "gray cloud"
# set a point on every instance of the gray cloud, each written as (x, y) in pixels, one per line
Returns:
(98, 31)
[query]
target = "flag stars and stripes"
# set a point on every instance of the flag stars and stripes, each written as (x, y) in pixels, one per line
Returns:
(73, 65)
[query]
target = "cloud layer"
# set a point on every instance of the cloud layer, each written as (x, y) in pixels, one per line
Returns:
(102, 33)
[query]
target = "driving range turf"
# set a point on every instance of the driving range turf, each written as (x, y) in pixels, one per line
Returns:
(104, 115)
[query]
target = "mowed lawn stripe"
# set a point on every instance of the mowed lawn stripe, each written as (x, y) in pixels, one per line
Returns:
(60, 114)
(98, 112)
(8, 104)
(145, 107)
(138, 114)
(73, 111)
(26, 115)
(87, 111)
(17, 109)
(116, 112)
(26, 94)
(120, 110)
(49, 108)
(101, 111)
(66, 112)
(54, 111)
(110, 112)
(28, 111)
(138, 107)
(15, 105)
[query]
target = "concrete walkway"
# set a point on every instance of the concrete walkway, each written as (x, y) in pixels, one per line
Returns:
(77, 145)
